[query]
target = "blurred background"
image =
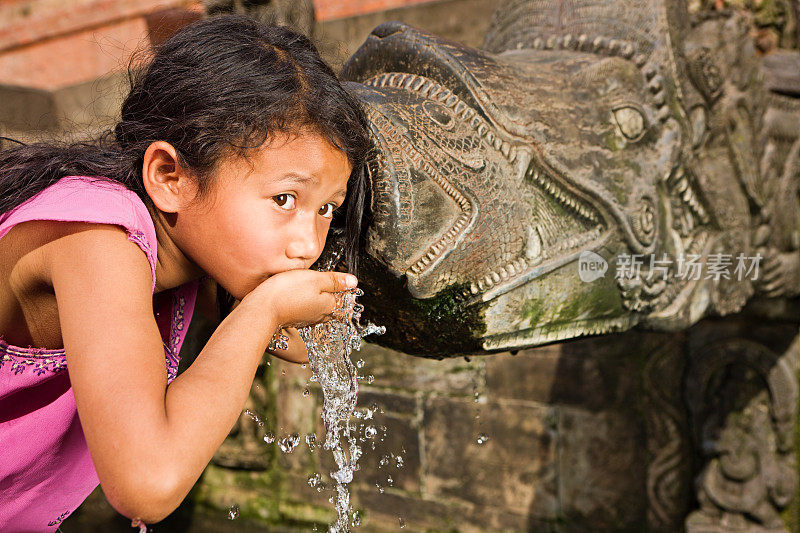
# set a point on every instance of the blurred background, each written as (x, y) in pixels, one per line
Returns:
(63, 63)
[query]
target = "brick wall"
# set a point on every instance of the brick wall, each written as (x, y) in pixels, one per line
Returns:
(63, 62)
(48, 45)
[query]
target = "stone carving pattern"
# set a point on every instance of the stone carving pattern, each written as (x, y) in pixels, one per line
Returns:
(742, 399)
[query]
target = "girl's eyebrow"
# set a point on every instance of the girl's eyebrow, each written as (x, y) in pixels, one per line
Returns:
(299, 179)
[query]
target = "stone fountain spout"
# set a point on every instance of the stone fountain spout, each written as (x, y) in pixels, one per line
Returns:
(560, 182)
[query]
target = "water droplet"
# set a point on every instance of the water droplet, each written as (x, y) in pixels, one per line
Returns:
(306, 393)
(303, 365)
(399, 461)
(313, 378)
(314, 480)
(283, 372)
(370, 379)
(370, 432)
(360, 363)
(482, 438)
(356, 519)
(311, 441)
(477, 396)
(390, 481)
(267, 363)
(289, 443)
(380, 489)
(255, 418)
(401, 522)
(269, 438)
(233, 512)
(384, 461)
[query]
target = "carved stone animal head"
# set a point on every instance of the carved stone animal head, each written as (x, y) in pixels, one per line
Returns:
(499, 176)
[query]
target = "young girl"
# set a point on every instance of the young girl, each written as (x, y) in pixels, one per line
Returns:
(236, 151)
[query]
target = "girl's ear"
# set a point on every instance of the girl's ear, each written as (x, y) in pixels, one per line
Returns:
(167, 183)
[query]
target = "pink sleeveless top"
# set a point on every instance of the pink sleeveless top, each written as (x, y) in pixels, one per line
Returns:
(45, 468)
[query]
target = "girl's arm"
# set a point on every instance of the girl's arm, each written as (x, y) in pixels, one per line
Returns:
(149, 442)
(206, 304)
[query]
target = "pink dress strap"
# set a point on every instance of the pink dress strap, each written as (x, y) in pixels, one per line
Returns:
(45, 468)
(85, 199)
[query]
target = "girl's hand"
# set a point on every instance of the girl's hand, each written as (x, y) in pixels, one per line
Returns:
(298, 298)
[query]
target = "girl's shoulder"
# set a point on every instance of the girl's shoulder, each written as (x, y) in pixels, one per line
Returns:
(94, 200)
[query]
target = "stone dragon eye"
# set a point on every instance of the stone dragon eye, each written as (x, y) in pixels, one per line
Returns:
(630, 121)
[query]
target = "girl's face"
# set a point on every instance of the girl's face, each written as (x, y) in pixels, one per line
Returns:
(268, 215)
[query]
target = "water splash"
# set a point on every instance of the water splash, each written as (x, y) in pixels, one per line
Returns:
(311, 441)
(329, 346)
(233, 512)
(289, 443)
(255, 417)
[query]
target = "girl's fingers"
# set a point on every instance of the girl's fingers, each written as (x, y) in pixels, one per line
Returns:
(340, 281)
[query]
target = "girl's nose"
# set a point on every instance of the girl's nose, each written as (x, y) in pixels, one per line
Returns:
(304, 242)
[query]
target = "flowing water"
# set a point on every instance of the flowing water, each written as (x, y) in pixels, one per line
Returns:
(329, 347)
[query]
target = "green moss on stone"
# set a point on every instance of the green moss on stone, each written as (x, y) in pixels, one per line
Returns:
(432, 327)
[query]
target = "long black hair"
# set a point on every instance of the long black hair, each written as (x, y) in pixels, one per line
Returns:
(222, 85)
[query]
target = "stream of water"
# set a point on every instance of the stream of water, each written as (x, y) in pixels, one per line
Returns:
(329, 346)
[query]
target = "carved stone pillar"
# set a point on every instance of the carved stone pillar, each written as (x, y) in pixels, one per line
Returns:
(668, 444)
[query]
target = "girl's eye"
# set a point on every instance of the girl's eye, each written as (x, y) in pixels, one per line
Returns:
(327, 210)
(284, 201)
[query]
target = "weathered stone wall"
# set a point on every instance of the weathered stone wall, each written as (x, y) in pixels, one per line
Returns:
(510, 442)
(593, 434)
